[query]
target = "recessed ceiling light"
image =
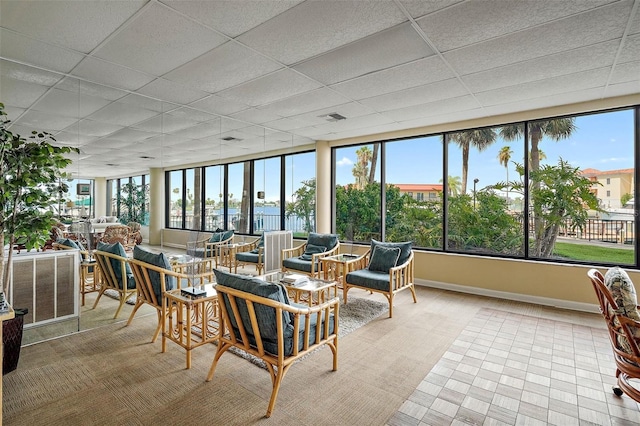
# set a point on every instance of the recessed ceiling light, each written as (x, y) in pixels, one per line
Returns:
(146, 157)
(230, 138)
(111, 165)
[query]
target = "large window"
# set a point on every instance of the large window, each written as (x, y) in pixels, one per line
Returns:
(560, 188)
(358, 191)
(239, 196)
(214, 198)
(300, 193)
(177, 203)
(129, 199)
(266, 195)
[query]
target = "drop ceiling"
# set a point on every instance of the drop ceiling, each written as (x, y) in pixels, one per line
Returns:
(161, 83)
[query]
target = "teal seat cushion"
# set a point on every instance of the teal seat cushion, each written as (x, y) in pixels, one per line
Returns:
(161, 261)
(369, 279)
(384, 258)
(260, 243)
(405, 249)
(76, 245)
(200, 252)
(297, 264)
(118, 249)
(248, 256)
(216, 237)
(328, 241)
(310, 250)
(266, 316)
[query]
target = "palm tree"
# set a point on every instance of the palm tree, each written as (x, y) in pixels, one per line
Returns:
(480, 139)
(453, 185)
(374, 161)
(361, 168)
(503, 157)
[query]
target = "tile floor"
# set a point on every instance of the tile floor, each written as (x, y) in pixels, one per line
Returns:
(512, 369)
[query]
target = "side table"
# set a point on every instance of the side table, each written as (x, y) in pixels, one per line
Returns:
(192, 321)
(338, 266)
(89, 277)
(313, 290)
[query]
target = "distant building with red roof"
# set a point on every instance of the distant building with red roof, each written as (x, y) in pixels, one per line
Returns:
(613, 185)
(420, 191)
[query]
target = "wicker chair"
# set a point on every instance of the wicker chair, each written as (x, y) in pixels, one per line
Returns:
(117, 234)
(250, 254)
(369, 274)
(260, 321)
(621, 336)
(305, 258)
(135, 237)
(211, 247)
(115, 273)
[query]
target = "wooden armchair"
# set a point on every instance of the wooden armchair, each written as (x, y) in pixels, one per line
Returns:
(388, 272)
(115, 273)
(623, 336)
(250, 254)
(261, 321)
(153, 276)
(211, 247)
(305, 258)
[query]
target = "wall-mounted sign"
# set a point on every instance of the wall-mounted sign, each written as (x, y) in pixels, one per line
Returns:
(84, 189)
(260, 195)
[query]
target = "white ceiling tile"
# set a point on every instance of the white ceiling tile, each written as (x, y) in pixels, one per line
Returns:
(131, 135)
(547, 87)
(232, 17)
(419, 8)
(36, 120)
(18, 93)
(158, 41)
(99, 71)
(28, 74)
(69, 104)
(477, 20)
(622, 89)
(392, 47)
(194, 114)
(165, 123)
(631, 49)
(90, 89)
(94, 128)
(582, 59)
(143, 102)
(433, 108)
(416, 95)
(314, 27)
(78, 25)
(627, 72)
(223, 67)
(256, 115)
(355, 123)
(417, 73)
(268, 89)
(201, 130)
(122, 114)
(604, 24)
(13, 112)
(171, 92)
(286, 124)
(113, 143)
(309, 101)
(72, 138)
(24, 49)
(218, 105)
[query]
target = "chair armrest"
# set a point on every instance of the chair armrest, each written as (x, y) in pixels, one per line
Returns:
(628, 326)
(361, 262)
(294, 252)
(196, 244)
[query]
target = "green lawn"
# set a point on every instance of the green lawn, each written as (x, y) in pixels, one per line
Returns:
(594, 253)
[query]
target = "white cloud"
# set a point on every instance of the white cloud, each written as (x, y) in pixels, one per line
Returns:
(344, 162)
(613, 160)
(612, 140)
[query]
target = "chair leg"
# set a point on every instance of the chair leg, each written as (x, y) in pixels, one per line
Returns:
(277, 381)
(222, 348)
(413, 293)
(98, 298)
(155, 335)
(135, 309)
(390, 299)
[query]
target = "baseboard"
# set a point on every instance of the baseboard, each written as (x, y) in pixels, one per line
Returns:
(546, 301)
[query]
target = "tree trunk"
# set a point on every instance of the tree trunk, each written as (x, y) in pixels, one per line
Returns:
(465, 167)
(374, 161)
(197, 208)
(244, 204)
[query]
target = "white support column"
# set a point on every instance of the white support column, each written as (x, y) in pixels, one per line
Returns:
(323, 187)
(100, 201)
(156, 205)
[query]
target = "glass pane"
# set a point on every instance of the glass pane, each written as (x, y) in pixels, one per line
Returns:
(413, 173)
(175, 201)
(358, 193)
(133, 196)
(485, 194)
(193, 198)
(266, 210)
(582, 188)
(300, 190)
(214, 198)
(239, 181)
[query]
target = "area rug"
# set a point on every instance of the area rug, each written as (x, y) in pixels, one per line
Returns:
(352, 316)
(508, 368)
(115, 295)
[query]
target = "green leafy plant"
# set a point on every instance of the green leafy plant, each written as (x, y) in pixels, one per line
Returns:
(32, 169)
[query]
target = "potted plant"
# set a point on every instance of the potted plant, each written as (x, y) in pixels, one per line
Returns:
(32, 169)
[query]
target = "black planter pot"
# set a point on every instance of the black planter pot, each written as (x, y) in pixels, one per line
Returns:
(12, 340)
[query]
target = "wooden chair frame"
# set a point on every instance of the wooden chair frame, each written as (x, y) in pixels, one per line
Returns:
(109, 280)
(620, 327)
(315, 259)
(144, 289)
(400, 278)
(248, 247)
(279, 364)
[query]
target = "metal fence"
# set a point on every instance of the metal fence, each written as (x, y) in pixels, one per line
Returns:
(261, 223)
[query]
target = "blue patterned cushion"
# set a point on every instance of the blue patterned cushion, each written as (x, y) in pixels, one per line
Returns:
(161, 261)
(624, 294)
(329, 241)
(369, 279)
(216, 237)
(405, 249)
(310, 250)
(76, 245)
(249, 257)
(118, 249)
(384, 258)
